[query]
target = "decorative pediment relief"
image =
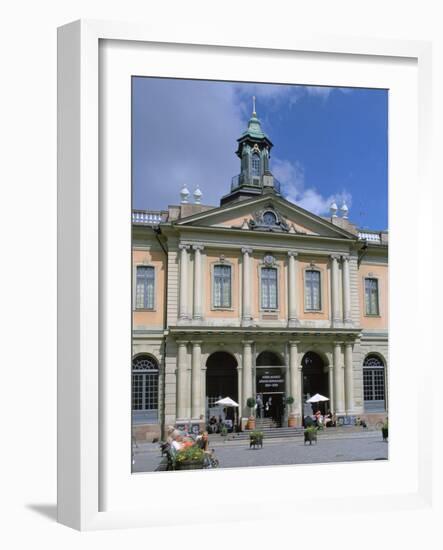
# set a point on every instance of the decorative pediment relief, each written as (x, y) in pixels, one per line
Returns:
(268, 218)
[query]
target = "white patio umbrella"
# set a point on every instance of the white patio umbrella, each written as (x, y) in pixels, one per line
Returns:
(227, 402)
(316, 398)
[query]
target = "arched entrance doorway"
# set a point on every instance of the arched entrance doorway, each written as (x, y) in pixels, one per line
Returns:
(270, 387)
(221, 381)
(315, 380)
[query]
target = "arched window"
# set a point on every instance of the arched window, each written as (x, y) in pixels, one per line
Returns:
(374, 384)
(144, 389)
(255, 164)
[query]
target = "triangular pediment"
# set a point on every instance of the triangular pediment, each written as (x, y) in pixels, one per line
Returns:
(249, 215)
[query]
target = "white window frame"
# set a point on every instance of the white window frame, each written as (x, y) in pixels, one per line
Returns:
(134, 283)
(383, 368)
(277, 268)
(143, 412)
(213, 266)
(318, 270)
(365, 303)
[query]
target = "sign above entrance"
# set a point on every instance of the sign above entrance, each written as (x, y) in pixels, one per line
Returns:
(270, 381)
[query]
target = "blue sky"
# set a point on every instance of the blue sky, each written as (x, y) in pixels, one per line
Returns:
(329, 143)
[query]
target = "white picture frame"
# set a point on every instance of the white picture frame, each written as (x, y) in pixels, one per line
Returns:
(95, 488)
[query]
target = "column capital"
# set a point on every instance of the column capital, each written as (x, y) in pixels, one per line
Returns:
(247, 342)
(349, 344)
(246, 250)
(196, 342)
(293, 343)
(335, 257)
(184, 246)
(198, 246)
(346, 257)
(181, 342)
(292, 253)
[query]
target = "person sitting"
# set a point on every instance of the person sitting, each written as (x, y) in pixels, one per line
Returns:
(213, 424)
(177, 443)
(327, 419)
(203, 441)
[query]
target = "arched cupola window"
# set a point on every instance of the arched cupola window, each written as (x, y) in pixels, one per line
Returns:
(255, 165)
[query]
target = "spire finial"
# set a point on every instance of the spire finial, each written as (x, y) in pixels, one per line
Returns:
(253, 106)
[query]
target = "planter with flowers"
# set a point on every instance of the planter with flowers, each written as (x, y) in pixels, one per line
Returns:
(189, 457)
(310, 434)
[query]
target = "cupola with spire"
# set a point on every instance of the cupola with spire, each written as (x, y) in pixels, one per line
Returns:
(253, 150)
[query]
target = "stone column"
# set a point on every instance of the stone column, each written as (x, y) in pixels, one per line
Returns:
(181, 380)
(247, 373)
(246, 298)
(292, 288)
(349, 378)
(338, 380)
(196, 380)
(183, 303)
(197, 314)
(335, 313)
(294, 375)
(203, 392)
(331, 387)
(346, 290)
(240, 393)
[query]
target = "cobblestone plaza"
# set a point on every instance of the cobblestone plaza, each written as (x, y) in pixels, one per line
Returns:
(339, 447)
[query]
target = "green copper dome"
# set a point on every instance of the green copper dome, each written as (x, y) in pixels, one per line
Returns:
(254, 128)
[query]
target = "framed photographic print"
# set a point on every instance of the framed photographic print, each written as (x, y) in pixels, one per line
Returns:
(235, 228)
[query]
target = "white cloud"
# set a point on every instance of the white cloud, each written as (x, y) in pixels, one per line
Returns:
(185, 131)
(292, 177)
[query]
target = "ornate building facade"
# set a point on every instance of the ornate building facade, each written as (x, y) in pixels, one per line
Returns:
(256, 295)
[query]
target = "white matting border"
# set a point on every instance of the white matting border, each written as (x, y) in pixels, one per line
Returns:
(96, 489)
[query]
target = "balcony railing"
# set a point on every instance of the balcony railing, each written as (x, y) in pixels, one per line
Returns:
(146, 217)
(377, 237)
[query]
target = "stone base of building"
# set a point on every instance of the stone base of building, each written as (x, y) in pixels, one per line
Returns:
(372, 419)
(146, 432)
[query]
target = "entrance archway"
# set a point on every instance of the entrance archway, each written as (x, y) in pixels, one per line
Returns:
(221, 381)
(315, 379)
(270, 387)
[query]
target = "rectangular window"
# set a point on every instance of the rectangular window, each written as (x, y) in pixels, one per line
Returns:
(222, 286)
(312, 290)
(144, 292)
(268, 288)
(371, 297)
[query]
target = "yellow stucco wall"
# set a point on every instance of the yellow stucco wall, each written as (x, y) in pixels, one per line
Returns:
(156, 259)
(380, 272)
(322, 265)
